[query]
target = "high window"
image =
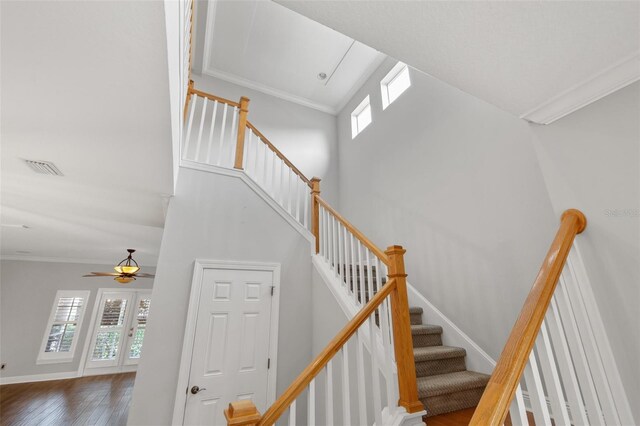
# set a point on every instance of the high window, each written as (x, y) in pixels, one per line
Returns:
(394, 84)
(360, 117)
(61, 334)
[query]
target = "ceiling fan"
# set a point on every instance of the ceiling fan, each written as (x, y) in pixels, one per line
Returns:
(126, 270)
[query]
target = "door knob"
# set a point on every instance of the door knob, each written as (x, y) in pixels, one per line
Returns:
(196, 389)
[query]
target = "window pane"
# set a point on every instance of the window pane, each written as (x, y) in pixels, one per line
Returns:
(68, 309)
(106, 345)
(143, 313)
(113, 314)
(399, 84)
(136, 345)
(364, 118)
(55, 336)
(67, 338)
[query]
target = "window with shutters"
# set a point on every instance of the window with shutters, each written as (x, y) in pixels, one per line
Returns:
(110, 329)
(61, 334)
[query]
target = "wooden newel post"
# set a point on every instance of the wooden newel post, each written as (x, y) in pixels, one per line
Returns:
(403, 343)
(242, 413)
(315, 211)
(242, 126)
(188, 98)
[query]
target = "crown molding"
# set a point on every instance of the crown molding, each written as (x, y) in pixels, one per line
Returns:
(250, 84)
(62, 260)
(601, 84)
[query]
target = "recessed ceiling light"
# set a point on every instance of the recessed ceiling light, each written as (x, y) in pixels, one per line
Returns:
(322, 76)
(14, 225)
(44, 167)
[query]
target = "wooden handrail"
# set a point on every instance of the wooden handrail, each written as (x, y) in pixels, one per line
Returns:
(278, 153)
(302, 381)
(496, 399)
(209, 96)
(359, 235)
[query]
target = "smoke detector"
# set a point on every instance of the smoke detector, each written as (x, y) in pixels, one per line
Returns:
(44, 167)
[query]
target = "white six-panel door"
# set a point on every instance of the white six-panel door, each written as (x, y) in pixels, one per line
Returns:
(230, 355)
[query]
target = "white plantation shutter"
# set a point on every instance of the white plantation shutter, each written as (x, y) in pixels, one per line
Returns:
(110, 329)
(140, 326)
(64, 325)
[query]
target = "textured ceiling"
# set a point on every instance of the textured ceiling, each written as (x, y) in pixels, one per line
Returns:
(515, 55)
(84, 85)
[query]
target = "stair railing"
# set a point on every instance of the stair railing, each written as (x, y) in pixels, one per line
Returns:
(218, 133)
(393, 292)
(548, 349)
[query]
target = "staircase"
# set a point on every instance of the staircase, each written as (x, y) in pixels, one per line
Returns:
(444, 383)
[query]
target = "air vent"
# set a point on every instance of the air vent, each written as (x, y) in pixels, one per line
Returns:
(44, 167)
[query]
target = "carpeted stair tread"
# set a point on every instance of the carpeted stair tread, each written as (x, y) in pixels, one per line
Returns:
(431, 353)
(425, 329)
(442, 384)
(415, 311)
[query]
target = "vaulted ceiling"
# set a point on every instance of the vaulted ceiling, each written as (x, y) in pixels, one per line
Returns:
(516, 55)
(84, 85)
(264, 46)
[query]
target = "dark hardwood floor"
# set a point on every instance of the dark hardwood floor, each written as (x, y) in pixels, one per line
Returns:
(93, 400)
(463, 417)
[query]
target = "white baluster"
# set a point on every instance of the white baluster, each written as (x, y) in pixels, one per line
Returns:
(361, 283)
(311, 404)
(587, 387)
(289, 190)
(573, 284)
(329, 391)
(347, 268)
(339, 250)
(565, 365)
(202, 120)
(292, 413)
(518, 410)
(274, 184)
(211, 128)
(385, 331)
(307, 200)
(298, 196)
(354, 273)
(187, 138)
(375, 373)
(234, 132)
(224, 123)
(362, 390)
(321, 232)
(346, 399)
(536, 393)
(369, 275)
(248, 153)
(551, 378)
(283, 187)
(265, 166)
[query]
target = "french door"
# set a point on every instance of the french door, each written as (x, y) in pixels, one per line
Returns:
(118, 333)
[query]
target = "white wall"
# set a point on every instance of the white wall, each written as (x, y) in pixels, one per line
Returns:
(27, 293)
(456, 182)
(218, 217)
(304, 135)
(591, 161)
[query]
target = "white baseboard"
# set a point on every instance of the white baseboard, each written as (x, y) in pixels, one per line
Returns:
(38, 377)
(240, 174)
(477, 359)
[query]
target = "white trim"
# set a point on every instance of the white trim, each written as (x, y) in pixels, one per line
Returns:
(82, 369)
(61, 260)
(63, 357)
(526, 399)
(240, 174)
(599, 85)
(38, 377)
(477, 359)
(192, 315)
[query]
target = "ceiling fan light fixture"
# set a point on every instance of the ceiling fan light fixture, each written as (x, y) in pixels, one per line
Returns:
(126, 269)
(124, 280)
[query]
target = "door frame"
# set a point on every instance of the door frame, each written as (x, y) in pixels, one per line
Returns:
(192, 315)
(82, 370)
